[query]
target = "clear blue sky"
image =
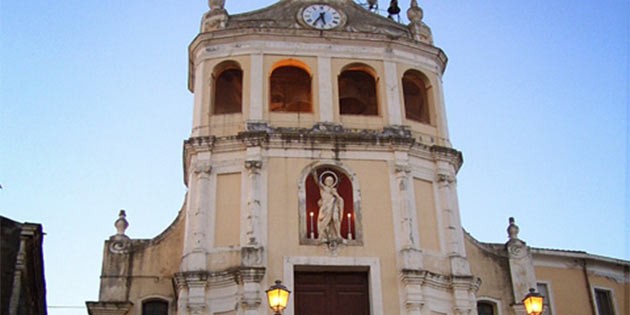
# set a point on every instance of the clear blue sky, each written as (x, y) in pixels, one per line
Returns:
(94, 109)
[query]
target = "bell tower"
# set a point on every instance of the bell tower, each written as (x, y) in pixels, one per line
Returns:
(319, 155)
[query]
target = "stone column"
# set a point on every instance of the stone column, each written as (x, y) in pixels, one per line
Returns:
(521, 267)
(192, 298)
(410, 253)
(442, 124)
(197, 216)
(253, 202)
(251, 299)
(325, 77)
(257, 79)
(392, 92)
(199, 110)
(454, 234)
(412, 284)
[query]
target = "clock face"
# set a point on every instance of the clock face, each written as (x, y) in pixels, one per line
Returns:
(321, 16)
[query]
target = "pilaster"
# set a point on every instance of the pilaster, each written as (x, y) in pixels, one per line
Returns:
(253, 228)
(392, 92)
(521, 265)
(414, 300)
(252, 290)
(256, 87)
(196, 239)
(452, 224)
(191, 288)
(325, 89)
(200, 111)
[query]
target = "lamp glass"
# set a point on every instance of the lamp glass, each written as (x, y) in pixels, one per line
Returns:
(278, 297)
(533, 305)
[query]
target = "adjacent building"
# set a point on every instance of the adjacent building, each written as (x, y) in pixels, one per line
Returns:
(23, 285)
(320, 156)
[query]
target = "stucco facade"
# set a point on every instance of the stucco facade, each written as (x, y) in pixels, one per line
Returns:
(245, 221)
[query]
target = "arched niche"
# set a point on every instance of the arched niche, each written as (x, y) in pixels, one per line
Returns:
(357, 86)
(290, 87)
(227, 93)
(415, 87)
(309, 194)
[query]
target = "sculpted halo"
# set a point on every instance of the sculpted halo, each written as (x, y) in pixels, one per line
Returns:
(330, 173)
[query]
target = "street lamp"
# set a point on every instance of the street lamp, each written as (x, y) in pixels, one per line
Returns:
(278, 297)
(533, 303)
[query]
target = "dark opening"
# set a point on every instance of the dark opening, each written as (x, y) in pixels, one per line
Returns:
(604, 302)
(357, 93)
(228, 92)
(155, 307)
(290, 89)
(415, 95)
(485, 308)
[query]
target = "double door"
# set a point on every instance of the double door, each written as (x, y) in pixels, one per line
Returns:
(331, 293)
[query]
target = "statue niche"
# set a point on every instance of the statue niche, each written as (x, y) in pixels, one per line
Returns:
(329, 207)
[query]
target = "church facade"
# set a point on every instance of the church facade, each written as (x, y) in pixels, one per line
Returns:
(320, 156)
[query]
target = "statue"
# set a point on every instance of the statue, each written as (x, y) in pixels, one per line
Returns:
(330, 207)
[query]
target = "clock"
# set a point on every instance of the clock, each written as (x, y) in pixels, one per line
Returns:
(321, 16)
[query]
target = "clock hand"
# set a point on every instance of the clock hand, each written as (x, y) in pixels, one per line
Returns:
(322, 16)
(317, 19)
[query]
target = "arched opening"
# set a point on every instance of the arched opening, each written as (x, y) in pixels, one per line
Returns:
(315, 204)
(290, 88)
(486, 308)
(228, 88)
(155, 307)
(415, 95)
(357, 91)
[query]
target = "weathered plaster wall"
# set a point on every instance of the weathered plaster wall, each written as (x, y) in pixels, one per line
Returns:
(620, 290)
(427, 216)
(569, 289)
(153, 263)
(228, 210)
(572, 294)
(494, 271)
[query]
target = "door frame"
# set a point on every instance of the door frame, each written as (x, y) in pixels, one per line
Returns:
(372, 264)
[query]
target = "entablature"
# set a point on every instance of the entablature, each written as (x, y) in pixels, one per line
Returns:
(334, 138)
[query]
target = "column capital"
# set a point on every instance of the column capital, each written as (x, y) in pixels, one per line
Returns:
(253, 165)
(203, 168)
(446, 179)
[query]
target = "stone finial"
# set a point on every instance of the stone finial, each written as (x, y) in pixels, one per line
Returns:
(216, 4)
(216, 18)
(121, 224)
(415, 13)
(513, 230)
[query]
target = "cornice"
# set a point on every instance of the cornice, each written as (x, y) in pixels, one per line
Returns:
(440, 281)
(322, 137)
(449, 155)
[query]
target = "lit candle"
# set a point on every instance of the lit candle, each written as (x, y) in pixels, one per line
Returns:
(349, 226)
(312, 230)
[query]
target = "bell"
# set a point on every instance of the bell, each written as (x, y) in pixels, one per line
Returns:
(393, 9)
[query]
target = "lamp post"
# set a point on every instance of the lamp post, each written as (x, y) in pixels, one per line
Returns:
(278, 297)
(533, 303)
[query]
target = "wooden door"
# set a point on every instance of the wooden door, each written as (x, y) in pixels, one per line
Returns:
(331, 293)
